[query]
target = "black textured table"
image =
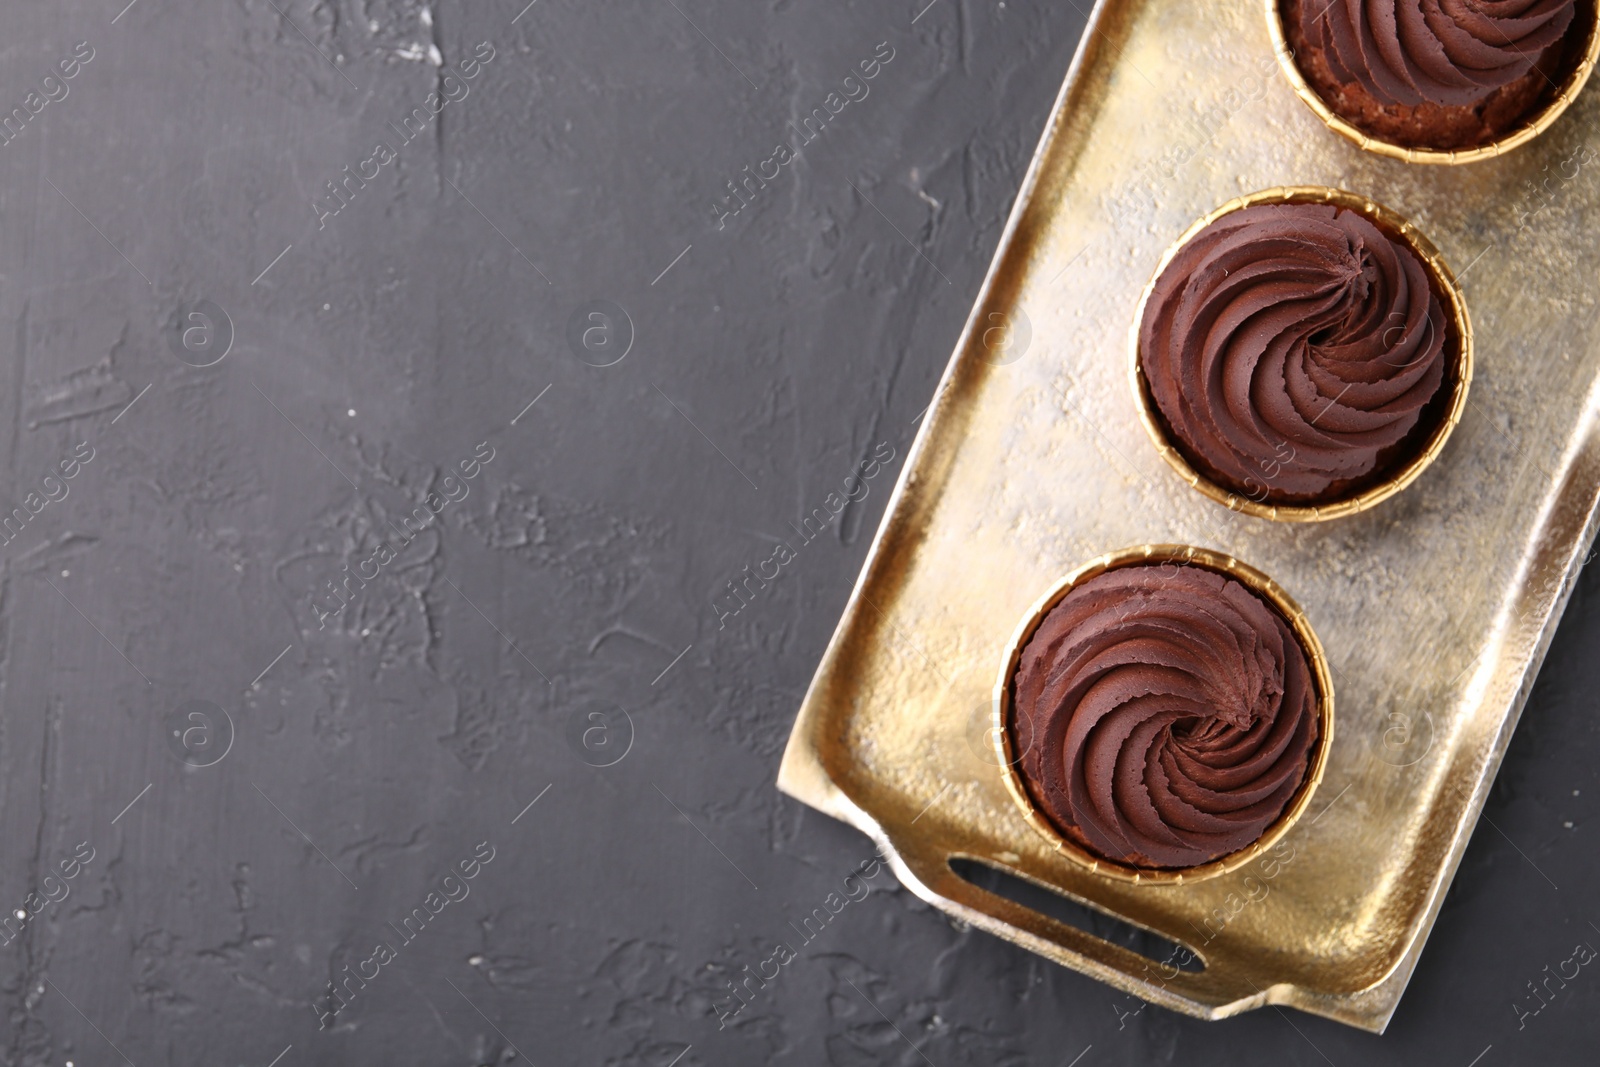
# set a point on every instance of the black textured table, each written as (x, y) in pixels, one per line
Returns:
(391, 394)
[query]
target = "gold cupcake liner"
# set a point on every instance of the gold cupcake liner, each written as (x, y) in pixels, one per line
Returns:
(1185, 556)
(1456, 308)
(1530, 128)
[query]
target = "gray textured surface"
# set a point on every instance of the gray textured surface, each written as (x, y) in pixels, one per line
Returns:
(380, 750)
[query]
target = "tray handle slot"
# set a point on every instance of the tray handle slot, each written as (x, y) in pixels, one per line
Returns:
(1146, 944)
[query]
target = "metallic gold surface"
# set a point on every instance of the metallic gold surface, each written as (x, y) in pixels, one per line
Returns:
(1182, 555)
(1531, 128)
(1434, 609)
(1460, 376)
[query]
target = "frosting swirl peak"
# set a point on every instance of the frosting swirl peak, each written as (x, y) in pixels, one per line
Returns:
(1449, 52)
(1292, 348)
(1172, 715)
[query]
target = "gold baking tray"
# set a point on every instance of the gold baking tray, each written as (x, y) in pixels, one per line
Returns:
(1435, 606)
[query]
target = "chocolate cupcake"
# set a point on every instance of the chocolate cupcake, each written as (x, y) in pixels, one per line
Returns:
(1301, 354)
(1436, 80)
(1177, 717)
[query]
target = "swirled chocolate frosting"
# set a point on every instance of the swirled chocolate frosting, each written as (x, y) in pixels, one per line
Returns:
(1292, 349)
(1170, 715)
(1433, 73)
